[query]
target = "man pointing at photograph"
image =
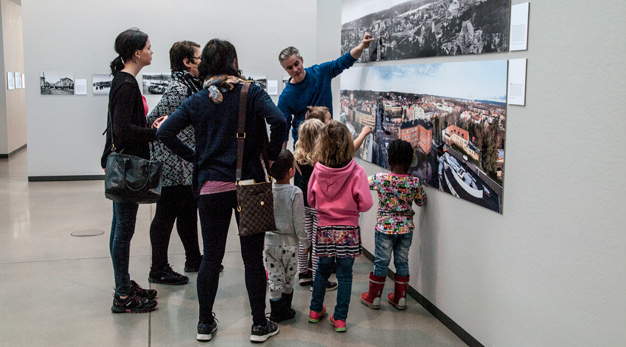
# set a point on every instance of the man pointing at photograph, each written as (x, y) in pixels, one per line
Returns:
(311, 86)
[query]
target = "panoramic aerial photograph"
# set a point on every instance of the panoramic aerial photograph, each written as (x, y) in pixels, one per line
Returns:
(453, 114)
(425, 28)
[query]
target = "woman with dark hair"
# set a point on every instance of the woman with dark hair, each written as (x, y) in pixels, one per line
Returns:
(177, 203)
(128, 132)
(213, 112)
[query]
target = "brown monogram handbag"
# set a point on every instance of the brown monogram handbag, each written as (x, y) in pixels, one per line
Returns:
(255, 202)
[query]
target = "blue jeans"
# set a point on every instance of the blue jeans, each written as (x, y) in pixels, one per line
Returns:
(399, 244)
(122, 230)
(344, 289)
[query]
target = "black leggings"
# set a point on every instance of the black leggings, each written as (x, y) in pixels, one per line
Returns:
(178, 204)
(215, 214)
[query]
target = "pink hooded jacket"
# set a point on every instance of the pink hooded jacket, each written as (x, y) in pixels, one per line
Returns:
(338, 195)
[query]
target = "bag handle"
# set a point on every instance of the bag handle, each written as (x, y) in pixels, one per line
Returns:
(241, 128)
(147, 178)
(109, 129)
(241, 135)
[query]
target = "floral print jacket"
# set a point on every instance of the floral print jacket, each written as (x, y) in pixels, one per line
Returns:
(396, 194)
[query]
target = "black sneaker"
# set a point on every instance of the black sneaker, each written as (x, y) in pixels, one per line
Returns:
(330, 286)
(167, 276)
(144, 293)
(261, 333)
(306, 279)
(133, 304)
(206, 330)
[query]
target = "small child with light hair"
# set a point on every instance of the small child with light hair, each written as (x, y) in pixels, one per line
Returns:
(339, 191)
(308, 133)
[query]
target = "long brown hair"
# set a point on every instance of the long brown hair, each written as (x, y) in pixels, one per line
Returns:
(307, 133)
(334, 147)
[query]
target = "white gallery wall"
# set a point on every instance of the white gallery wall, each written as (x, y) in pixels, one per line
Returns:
(549, 271)
(65, 132)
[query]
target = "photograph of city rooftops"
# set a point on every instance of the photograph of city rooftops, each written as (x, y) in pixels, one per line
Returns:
(425, 28)
(453, 114)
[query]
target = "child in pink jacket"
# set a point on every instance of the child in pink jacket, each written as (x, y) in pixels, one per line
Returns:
(338, 190)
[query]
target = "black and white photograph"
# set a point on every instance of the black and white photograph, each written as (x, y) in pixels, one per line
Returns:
(425, 28)
(259, 80)
(101, 84)
(285, 81)
(56, 83)
(155, 83)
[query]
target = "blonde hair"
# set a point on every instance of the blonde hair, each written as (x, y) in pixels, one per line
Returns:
(334, 146)
(307, 133)
(316, 112)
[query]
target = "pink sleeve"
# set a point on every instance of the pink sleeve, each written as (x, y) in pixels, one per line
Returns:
(362, 194)
(310, 192)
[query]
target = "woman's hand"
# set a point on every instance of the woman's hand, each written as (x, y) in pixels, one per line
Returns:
(157, 123)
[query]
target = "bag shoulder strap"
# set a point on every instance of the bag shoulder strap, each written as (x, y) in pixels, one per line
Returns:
(109, 129)
(241, 128)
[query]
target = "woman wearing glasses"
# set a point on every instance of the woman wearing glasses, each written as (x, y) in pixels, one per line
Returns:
(177, 203)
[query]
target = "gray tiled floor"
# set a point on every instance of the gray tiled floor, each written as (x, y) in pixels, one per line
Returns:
(55, 289)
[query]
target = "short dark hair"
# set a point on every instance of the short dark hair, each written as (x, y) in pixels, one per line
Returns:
(281, 166)
(400, 152)
(126, 44)
(179, 51)
(218, 58)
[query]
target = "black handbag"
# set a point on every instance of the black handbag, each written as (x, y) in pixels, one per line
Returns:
(129, 178)
(255, 202)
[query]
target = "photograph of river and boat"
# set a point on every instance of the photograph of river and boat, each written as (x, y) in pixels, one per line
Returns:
(425, 28)
(454, 115)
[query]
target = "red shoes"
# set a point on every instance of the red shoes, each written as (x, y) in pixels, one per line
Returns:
(398, 297)
(340, 325)
(372, 298)
(314, 317)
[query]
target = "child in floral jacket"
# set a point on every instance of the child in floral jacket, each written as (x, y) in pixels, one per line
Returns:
(394, 227)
